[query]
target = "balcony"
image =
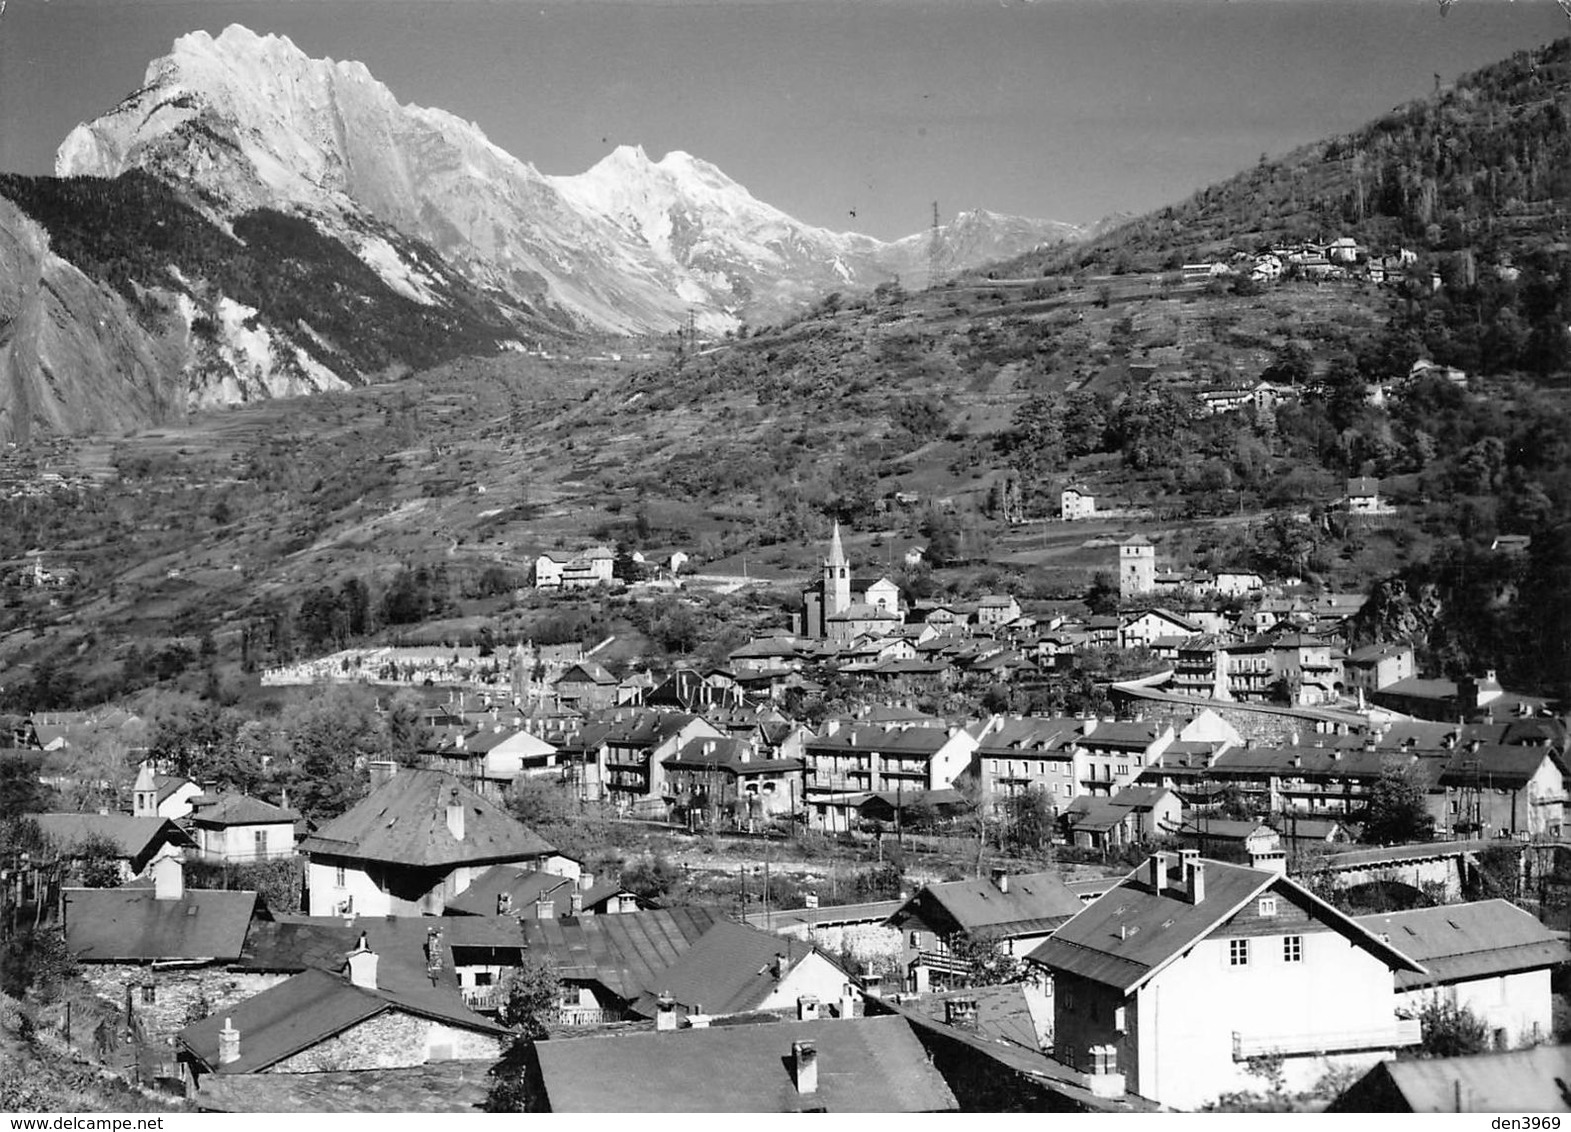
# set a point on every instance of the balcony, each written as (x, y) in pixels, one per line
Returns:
(1402, 1032)
(586, 1015)
(941, 962)
(483, 999)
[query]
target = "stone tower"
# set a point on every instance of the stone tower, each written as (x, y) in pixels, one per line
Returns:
(1136, 568)
(837, 577)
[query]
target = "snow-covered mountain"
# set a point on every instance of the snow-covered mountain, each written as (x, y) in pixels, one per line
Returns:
(244, 121)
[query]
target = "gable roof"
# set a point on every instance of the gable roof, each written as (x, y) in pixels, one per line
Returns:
(523, 885)
(134, 837)
(1002, 1012)
(1131, 933)
(623, 953)
(726, 971)
(105, 925)
(307, 1009)
(404, 821)
(864, 1065)
(1527, 1080)
(1468, 941)
(1035, 902)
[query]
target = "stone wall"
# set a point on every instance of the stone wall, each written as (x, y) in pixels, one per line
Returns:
(391, 1040)
(178, 992)
(1259, 725)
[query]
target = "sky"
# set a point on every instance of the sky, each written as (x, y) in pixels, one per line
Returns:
(849, 114)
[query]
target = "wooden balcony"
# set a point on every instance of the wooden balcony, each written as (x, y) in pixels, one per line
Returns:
(1402, 1032)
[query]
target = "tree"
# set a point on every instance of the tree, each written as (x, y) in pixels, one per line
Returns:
(1103, 596)
(529, 1004)
(1451, 1031)
(651, 877)
(1396, 813)
(1030, 818)
(329, 738)
(97, 861)
(987, 959)
(20, 790)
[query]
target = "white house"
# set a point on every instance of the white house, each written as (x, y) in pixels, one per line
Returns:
(1188, 968)
(1488, 957)
(1076, 503)
(240, 829)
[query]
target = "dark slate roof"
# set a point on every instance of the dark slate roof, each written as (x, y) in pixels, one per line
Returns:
(1498, 766)
(404, 821)
(1528, 1080)
(1095, 814)
(1026, 735)
(1035, 902)
(307, 1009)
(106, 925)
(136, 837)
(623, 953)
(864, 1065)
(242, 809)
(727, 970)
(524, 885)
(441, 1086)
(864, 737)
(1038, 1068)
(1457, 942)
(1132, 932)
(1002, 1012)
(298, 943)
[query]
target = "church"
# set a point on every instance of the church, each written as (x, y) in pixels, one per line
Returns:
(840, 608)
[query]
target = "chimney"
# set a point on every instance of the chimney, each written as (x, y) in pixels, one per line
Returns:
(545, 908)
(872, 981)
(804, 1055)
(1156, 872)
(665, 1012)
(455, 815)
(1089, 726)
(1000, 879)
(961, 1013)
(382, 770)
(807, 1008)
(575, 903)
(586, 881)
(228, 1044)
(1269, 861)
(848, 998)
(1195, 879)
(504, 903)
(362, 965)
(1105, 1080)
(168, 879)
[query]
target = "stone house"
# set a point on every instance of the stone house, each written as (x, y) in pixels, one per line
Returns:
(163, 951)
(318, 1021)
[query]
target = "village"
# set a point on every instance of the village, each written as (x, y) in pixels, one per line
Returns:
(1252, 866)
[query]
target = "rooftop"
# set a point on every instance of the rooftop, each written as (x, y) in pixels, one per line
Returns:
(106, 925)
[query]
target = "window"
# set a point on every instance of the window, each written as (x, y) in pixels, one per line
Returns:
(1123, 769)
(1292, 949)
(1268, 905)
(338, 876)
(260, 841)
(149, 994)
(1238, 953)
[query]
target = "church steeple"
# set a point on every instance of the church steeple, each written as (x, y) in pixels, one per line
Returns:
(837, 576)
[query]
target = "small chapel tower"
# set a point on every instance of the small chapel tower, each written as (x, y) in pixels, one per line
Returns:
(837, 576)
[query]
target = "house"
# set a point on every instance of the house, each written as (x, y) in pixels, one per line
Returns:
(138, 842)
(1473, 699)
(1494, 790)
(1374, 667)
(1488, 957)
(1424, 368)
(733, 969)
(873, 1065)
(319, 1021)
(1188, 968)
(996, 609)
(1076, 502)
(162, 795)
(163, 950)
(1526, 1080)
(1238, 583)
(628, 756)
(490, 758)
(586, 686)
(1133, 815)
(607, 963)
(238, 829)
(413, 843)
(507, 890)
(1363, 496)
(1136, 568)
(711, 777)
(1343, 249)
(858, 759)
(1139, 629)
(1017, 912)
